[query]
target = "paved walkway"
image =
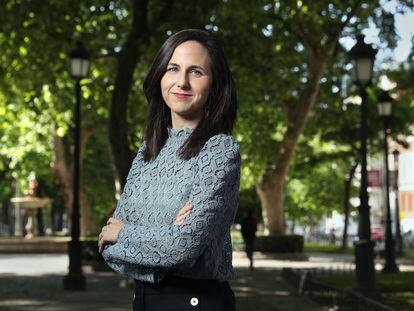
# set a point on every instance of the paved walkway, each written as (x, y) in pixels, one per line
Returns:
(261, 290)
(36, 284)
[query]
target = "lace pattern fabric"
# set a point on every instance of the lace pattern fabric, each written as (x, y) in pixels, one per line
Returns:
(149, 245)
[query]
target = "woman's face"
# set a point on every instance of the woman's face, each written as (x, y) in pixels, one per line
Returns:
(186, 83)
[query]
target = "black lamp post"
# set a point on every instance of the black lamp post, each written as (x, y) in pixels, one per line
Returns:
(398, 237)
(384, 111)
(363, 56)
(75, 280)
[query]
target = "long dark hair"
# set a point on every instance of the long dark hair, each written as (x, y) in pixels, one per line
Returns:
(221, 103)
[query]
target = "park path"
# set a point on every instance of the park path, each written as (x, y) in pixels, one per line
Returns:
(34, 282)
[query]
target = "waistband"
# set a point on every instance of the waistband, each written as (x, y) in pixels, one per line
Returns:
(177, 285)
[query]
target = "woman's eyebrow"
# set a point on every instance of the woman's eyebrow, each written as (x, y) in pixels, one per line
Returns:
(190, 67)
(196, 67)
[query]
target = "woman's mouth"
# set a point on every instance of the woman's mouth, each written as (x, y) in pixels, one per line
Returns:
(182, 95)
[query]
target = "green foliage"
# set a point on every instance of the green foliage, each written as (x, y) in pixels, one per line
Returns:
(403, 106)
(315, 193)
(267, 56)
(248, 201)
(37, 96)
(98, 178)
(237, 241)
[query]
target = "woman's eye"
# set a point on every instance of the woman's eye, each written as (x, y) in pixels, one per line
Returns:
(196, 72)
(172, 69)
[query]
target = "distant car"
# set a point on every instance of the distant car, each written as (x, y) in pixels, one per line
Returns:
(408, 239)
(377, 232)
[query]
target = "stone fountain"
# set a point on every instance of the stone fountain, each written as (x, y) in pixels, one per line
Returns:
(31, 203)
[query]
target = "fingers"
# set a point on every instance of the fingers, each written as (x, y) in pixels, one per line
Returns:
(114, 221)
(101, 239)
(184, 212)
(101, 246)
(187, 207)
(109, 233)
(181, 218)
(101, 242)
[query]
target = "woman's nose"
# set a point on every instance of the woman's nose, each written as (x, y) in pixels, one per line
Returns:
(183, 81)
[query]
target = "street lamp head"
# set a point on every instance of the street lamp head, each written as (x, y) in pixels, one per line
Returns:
(79, 59)
(363, 57)
(384, 104)
(395, 153)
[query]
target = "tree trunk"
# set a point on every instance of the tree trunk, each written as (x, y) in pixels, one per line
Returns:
(63, 170)
(271, 195)
(271, 186)
(128, 58)
(347, 194)
(87, 226)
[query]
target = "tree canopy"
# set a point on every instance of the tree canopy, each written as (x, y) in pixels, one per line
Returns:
(282, 54)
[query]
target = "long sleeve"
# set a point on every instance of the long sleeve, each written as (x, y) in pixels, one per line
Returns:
(214, 194)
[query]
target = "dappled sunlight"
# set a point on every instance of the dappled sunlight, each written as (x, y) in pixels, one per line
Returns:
(265, 287)
(46, 293)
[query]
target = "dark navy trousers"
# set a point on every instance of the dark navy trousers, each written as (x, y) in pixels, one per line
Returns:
(183, 294)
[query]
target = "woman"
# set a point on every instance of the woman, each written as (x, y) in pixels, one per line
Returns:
(171, 228)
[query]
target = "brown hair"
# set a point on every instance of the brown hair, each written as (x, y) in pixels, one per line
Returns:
(221, 103)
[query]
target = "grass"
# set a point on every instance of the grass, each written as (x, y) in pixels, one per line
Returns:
(326, 248)
(399, 300)
(408, 252)
(386, 282)
(397, 290)
(238, 245)
(237, 240)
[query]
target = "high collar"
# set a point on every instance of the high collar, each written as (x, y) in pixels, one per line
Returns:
(185, 132)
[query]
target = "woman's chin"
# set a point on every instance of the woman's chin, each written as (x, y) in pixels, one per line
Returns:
(188, 115)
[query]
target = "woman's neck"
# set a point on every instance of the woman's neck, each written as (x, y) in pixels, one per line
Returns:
(180, 123)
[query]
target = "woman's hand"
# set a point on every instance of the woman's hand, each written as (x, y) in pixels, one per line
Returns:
(110, 232)
(184, 212)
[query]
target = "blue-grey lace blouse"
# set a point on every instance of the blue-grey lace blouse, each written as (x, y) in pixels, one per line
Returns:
(149, 246)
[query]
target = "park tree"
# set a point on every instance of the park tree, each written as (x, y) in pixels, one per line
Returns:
(36, 38)
(282, 54)
(402, 76)
(312, 31)
(329, 141)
